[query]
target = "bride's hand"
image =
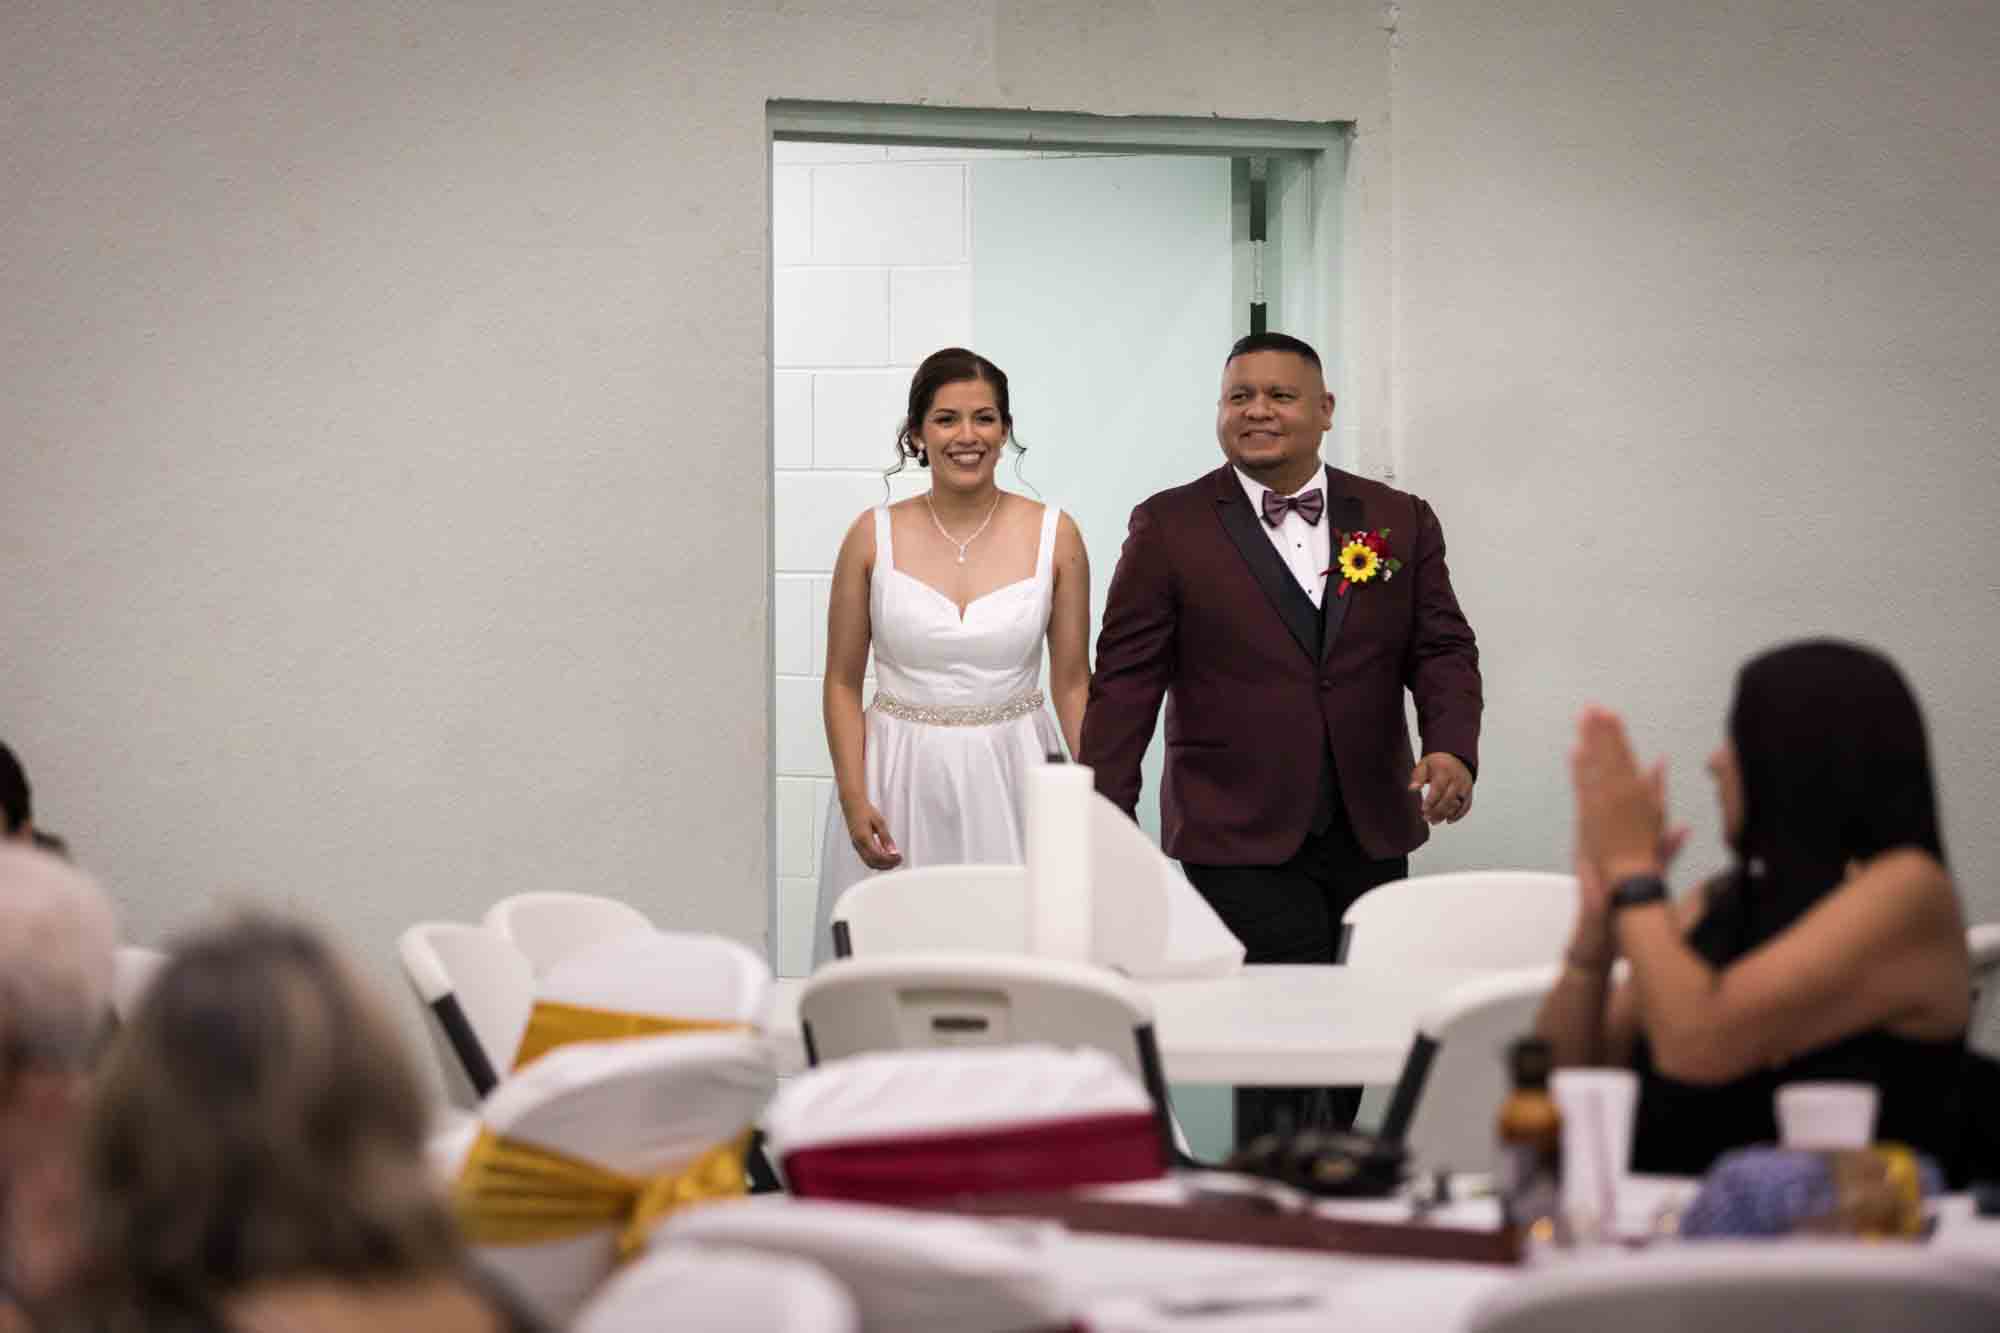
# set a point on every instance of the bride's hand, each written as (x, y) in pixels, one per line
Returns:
(869, 833)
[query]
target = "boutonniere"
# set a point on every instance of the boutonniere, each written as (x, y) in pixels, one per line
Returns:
(1364, 556)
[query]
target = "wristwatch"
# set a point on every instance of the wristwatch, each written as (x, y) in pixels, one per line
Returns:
(1637, 891)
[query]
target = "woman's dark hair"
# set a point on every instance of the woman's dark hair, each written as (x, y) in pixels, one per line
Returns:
(1836, 769)
(949, 365)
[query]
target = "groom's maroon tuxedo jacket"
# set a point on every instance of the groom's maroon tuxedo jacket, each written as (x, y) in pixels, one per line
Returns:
(1260, 686)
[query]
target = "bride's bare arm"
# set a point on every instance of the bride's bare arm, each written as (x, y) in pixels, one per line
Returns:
(847, 638)
(1069, 633)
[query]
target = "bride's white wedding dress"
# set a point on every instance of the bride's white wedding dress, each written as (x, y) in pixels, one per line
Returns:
(957, 719)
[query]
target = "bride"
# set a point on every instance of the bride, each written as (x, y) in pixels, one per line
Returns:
(955, 591)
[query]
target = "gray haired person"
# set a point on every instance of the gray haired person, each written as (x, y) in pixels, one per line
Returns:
(57, 937)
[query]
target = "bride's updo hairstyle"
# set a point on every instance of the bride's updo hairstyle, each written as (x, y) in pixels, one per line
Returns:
(950, 365)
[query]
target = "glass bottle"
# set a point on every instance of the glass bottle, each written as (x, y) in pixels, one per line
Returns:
(1530, 1144)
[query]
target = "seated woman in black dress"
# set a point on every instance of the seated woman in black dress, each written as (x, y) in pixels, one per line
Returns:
(1834, 949)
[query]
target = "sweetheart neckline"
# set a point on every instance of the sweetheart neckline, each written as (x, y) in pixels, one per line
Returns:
(952, 602)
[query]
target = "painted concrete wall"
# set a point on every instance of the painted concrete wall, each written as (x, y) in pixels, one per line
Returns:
(1697, 349)
(383, 418)
(383, 396)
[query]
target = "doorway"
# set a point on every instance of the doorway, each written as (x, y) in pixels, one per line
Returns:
(1105, 263)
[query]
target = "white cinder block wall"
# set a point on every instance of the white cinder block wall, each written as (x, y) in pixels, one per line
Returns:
(872, 273)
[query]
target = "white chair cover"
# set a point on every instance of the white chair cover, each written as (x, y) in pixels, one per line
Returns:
(720, 1291)
(905, 1270)
(550, 926)
(666, 974)
(641, 1107)
(908, 1126)
(898, 1093)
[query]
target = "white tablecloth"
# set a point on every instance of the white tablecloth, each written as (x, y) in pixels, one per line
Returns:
(1265, 1025)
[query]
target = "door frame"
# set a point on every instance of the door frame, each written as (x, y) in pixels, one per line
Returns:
(1325, 297)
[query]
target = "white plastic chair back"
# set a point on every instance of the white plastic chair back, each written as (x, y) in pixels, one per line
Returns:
(548, 926)
(1823, 1287)
(477, 989)
(641, 1107)
(1983, 943)
(904, 1269)
(916, 1000)
(1456, 1076)
(1475, 918)
(720, 1291)
(133, 968)
(969, 909)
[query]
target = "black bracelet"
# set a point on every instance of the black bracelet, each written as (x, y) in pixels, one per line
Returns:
(1637, 891)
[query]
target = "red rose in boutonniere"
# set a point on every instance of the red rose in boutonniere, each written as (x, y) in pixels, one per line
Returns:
(1364, 556)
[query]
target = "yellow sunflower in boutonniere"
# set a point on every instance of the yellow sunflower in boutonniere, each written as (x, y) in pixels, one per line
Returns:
(1364, 557)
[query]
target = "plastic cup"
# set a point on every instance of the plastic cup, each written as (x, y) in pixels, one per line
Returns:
(1823, 1117)
(1598, 1107)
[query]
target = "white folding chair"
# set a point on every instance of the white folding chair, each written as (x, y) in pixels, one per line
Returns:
(1455, 1076)
(644, 1109)
(970, 909)
(550, 926)
(915, 1000)
(1824, 1287)
(1475, 918)
(133, 968)
(1982, 942)
(478, 990)
(720, 1290)
(905, 1269)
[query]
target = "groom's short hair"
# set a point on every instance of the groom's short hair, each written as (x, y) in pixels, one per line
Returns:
(1273, 342)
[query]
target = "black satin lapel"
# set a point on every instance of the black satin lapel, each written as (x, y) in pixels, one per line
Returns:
(1269, 569)
(1345, 515)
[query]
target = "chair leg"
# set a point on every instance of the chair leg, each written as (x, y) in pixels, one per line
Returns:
(757, 1165)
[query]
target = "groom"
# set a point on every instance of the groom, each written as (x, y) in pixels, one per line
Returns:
(1282, 607)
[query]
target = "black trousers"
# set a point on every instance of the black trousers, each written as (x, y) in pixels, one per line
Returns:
(1291, 913)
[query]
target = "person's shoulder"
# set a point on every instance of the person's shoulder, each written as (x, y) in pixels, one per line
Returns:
(1370, 491)
(1196, 494)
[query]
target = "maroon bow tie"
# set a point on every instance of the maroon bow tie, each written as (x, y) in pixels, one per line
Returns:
(1310, 505)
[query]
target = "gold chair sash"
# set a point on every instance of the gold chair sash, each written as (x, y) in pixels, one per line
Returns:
(552, 1024)
(514, 1193)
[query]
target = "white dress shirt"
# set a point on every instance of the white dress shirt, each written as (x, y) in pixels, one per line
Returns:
(1306, 548)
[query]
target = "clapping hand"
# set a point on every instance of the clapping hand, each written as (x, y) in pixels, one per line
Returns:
(1621, 811)
(1450, 797)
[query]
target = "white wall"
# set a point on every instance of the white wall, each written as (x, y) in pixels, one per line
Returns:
(383, 393)
(1697, 349)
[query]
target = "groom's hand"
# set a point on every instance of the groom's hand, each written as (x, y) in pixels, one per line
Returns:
(1450, 796)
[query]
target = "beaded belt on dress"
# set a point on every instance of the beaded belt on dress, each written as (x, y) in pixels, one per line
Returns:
(959, 715)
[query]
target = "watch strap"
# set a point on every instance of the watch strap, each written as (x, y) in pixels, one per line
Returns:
(1638, 890)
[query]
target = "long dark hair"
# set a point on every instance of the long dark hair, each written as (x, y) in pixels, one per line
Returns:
(1836, 769)
(948, 365)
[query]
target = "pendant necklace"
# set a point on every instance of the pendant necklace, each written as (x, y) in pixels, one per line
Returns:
(961, 545)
